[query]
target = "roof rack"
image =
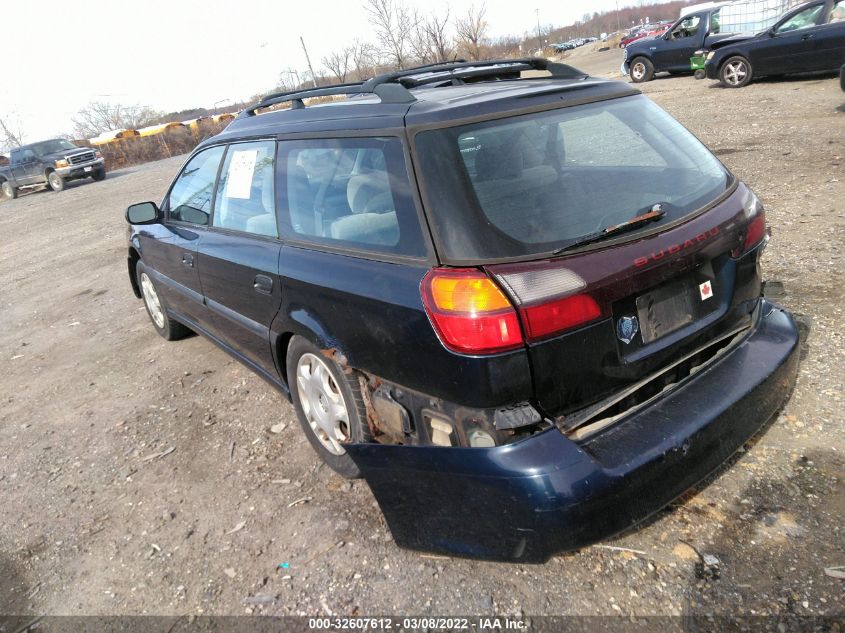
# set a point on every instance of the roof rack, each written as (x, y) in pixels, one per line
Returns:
(394, 87)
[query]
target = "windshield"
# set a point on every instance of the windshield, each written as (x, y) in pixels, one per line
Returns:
(49, 147)
(532, 184)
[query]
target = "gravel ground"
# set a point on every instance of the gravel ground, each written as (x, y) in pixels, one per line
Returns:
(142, 477)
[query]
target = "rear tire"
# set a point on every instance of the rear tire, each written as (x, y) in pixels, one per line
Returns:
(736, 72)
(167, 328)
(9, 191)
(56, 182)
(328, 404)
(641, 69)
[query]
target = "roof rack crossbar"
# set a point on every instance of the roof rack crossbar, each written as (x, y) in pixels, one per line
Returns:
(506, 66)
(393, 87)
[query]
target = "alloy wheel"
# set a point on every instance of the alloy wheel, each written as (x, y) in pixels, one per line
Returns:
(735, 72)
(638, 71)
(323, 403)
(152, 300)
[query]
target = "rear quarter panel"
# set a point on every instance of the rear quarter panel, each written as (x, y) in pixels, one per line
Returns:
(371, 312)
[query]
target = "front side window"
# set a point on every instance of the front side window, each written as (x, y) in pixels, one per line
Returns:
(191, 194)
(801, 20)
(245, 193)
(837, 14)
(51, 147)
(351, 192)
(687, 28)
(530, 184)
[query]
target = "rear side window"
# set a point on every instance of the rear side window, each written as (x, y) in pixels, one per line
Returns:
(245, 192)
(351, 192)
(191, 194)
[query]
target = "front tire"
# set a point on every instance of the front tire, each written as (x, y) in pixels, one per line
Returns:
(736, 72)
(641, 69)
(328, 404)
(56, 182)
(9, 191)
(167, 328)
(99, 174)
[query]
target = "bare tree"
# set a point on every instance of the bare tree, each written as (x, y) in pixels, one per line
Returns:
(436, 28)
(472, 30)
(100, 116)
(394, 24)
(338, 63)
(363, 58)
(429, 41)
(12, 135)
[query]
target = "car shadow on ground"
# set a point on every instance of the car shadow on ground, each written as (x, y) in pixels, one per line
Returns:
(14, 589)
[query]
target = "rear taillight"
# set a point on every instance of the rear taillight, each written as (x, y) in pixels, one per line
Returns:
(550, 300)
(469, 312)
(755, 230)
(559, 315)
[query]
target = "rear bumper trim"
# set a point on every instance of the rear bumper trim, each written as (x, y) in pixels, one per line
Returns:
(546, 494)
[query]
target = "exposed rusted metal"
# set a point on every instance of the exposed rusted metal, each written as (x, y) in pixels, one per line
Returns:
(338, 357)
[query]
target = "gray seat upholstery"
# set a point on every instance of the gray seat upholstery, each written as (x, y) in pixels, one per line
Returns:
(367, 228)
(264, 224)
(364, 189)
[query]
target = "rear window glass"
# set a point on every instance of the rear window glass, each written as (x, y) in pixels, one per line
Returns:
(351, 192)
(531, 184)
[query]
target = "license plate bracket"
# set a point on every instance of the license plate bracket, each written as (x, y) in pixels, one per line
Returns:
(666, 309)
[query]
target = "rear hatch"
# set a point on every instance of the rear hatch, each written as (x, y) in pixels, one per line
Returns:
(610, 316)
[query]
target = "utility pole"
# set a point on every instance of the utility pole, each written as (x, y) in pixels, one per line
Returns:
(308, 59)
(539, 36)
(618, 23)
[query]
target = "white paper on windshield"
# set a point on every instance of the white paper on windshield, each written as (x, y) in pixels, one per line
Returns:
(241, 170)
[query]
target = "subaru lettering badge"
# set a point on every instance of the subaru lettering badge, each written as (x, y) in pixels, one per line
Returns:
(627, 328)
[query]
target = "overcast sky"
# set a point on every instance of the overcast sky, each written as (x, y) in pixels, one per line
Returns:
(61, 55)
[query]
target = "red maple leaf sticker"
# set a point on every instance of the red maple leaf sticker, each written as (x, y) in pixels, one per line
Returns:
(706, 290)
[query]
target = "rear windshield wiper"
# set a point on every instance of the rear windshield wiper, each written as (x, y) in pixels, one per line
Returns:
(652, 215)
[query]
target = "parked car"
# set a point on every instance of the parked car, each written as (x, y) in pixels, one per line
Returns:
(50, 163)
(810, 38)
(671, 52)
(649, 31)
(527, 311)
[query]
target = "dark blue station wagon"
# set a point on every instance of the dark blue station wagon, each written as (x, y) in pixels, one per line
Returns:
(528, 311)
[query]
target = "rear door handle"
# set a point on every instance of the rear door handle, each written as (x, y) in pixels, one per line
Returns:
(263, 284)
(188, 260)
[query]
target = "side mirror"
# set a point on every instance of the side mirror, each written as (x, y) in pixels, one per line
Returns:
(143, 213)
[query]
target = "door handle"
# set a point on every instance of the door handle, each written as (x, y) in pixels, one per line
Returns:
(807, 36)
(188, 260)
(263, 284)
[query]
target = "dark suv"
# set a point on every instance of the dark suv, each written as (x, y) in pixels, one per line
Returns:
(524, 335)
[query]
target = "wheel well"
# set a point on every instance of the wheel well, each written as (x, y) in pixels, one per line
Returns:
(132, 263)
(282, 350)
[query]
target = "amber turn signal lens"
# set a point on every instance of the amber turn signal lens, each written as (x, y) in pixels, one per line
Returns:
(467, 294)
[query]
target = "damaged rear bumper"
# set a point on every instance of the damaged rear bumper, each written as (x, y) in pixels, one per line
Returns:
(527, 501)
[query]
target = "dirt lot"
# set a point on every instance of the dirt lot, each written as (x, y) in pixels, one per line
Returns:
(141, 477)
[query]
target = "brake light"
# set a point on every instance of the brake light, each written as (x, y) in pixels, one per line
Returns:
(755, 231)
(559, 315)
(469, 312)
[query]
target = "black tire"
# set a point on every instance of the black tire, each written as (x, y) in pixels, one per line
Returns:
(99, 174)
(346, 384)
(641, 69)
(842, 77)
(167, 328)
(9, 191)
(736, 72)
(55, 181)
